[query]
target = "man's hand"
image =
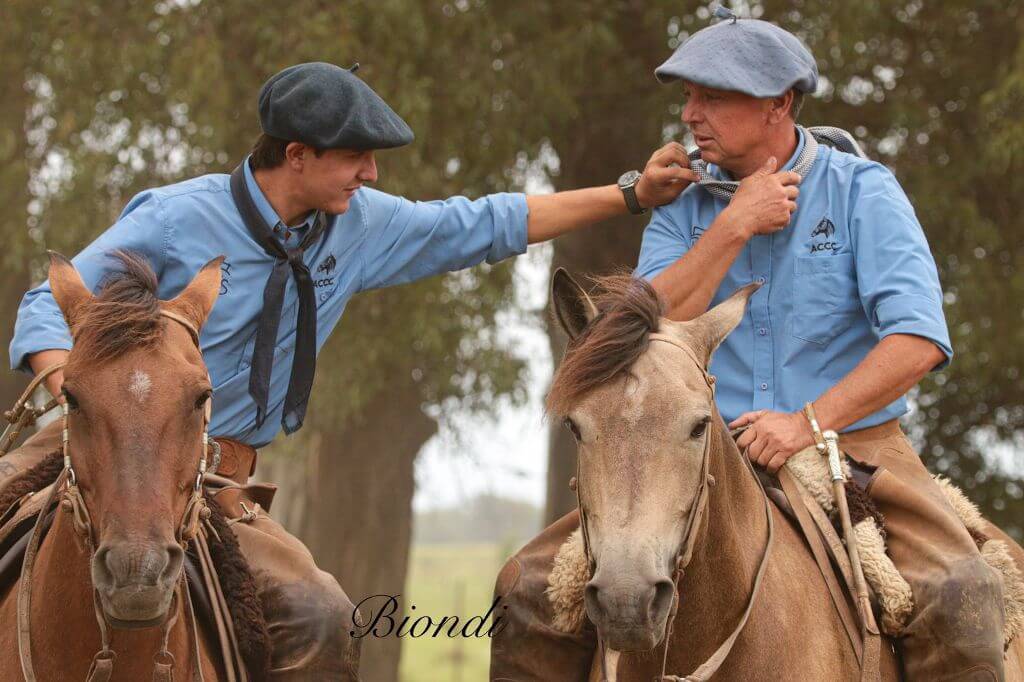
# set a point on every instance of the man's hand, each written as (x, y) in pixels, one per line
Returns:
(766, 200)
(773, 437)
(43, 359)
(665, 176)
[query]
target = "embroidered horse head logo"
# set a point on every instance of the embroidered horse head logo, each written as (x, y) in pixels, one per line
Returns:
(327, 267)
(824, 229)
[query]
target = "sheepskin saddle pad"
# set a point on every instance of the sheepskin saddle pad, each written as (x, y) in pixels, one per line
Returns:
(895, 601)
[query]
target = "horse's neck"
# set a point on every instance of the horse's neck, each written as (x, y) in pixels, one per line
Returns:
(719, 577)
(64, 620)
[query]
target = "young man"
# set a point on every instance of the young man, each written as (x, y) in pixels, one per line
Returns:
(297, 223)
(849, 316)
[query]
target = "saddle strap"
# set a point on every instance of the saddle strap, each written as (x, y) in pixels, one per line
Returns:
(866, 645)
(25, 583)
(234, 665)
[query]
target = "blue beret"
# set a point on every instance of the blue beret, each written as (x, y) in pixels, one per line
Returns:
(743, 55)
(328, 107)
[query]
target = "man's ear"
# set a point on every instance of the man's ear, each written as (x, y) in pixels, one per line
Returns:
(68, 288)
(196, 301)
(572, 306)
(707, 331)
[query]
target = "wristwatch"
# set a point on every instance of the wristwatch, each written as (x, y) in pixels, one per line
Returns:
(627, 183)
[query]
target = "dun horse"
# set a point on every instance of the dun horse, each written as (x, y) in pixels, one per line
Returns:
(663, 486)
(137, 393)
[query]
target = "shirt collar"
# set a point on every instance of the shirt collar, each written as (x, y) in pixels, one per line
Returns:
(725, 175)
(264, 207)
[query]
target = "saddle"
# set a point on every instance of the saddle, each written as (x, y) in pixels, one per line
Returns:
(215, 569)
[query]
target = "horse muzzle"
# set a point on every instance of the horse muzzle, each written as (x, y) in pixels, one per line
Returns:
(629, 611)
(136, 582)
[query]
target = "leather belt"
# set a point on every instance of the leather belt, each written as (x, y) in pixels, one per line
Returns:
(237, 460)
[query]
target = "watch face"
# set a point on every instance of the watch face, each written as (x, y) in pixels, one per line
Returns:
(629, 178)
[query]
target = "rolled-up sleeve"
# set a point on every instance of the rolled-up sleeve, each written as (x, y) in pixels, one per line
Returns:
(407, 240)
(663, 244)
(896, 274)
(40, 324)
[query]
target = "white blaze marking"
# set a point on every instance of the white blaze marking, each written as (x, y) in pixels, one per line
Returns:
(140, 385)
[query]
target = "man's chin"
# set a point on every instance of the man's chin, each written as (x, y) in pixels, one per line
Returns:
(338, 206)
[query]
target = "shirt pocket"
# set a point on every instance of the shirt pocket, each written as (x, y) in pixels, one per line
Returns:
(825, 299)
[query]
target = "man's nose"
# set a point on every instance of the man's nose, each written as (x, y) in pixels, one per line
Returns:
(368, 173)
(691, 113)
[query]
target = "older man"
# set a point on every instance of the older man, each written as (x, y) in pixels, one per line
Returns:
(297, 223)
(849, 316)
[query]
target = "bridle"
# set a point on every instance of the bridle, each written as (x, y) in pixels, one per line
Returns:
(73, 503)
(685, 554)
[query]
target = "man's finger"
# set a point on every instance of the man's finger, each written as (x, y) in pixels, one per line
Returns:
(775, 463)
(792, 191)
(681, 174)
(745, 439)
(757, 448)
(746, 418)
(791, 205)
(789, 178)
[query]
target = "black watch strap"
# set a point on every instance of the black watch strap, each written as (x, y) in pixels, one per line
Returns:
(627, 183)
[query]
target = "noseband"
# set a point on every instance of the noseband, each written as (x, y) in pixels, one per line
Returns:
(73, 503)
(685, 553)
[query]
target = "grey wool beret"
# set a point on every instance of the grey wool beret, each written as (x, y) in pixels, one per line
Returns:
(328, 107)
(743, 55)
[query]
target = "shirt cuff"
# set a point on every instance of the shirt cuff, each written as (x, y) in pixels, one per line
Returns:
(918, 315)
(510, 213)
(35, 334)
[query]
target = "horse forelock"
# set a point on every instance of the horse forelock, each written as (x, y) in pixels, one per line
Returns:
(629, 310)
(124, 315)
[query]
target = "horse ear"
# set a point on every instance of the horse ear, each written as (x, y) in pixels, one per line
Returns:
(710, 329)
(197, 299)
(67, 286)
(572, 306)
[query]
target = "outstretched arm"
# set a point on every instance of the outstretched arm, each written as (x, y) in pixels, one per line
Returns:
(665, 176)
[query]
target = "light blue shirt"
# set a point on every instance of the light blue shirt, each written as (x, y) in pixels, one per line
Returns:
(852, 267)
(382, 240)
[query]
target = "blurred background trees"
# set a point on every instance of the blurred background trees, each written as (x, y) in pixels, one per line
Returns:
(101, 103)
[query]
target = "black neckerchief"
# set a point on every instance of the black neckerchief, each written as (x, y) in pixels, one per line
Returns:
(304, 366)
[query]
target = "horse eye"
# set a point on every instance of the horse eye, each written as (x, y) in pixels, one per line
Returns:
(201, 400)
(575, 430)
(700, 428)
(72, 401)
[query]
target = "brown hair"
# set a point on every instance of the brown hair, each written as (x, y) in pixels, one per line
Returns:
(125, 314)
(269, 152)
(629, 309)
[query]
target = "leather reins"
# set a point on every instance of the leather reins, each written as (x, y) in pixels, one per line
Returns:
(685, 554)
(72, 502)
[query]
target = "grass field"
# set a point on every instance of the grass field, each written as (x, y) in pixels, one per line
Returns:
(450, 580)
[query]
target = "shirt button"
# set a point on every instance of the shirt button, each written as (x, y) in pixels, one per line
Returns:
(323, 297)
(761, 280)
(762, 331)
(764, 387)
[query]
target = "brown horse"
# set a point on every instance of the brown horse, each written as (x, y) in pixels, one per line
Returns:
(137, 394)
(653, 454)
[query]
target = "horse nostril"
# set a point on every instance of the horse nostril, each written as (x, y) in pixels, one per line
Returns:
(175, 557)
(102, 573)
(661, 603)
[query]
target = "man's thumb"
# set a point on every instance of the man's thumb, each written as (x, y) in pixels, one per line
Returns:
(769, 166)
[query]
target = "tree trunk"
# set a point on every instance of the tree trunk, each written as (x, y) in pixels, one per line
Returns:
(358, 513)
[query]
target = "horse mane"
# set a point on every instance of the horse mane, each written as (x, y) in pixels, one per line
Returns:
(125, 314)
(629, 310)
